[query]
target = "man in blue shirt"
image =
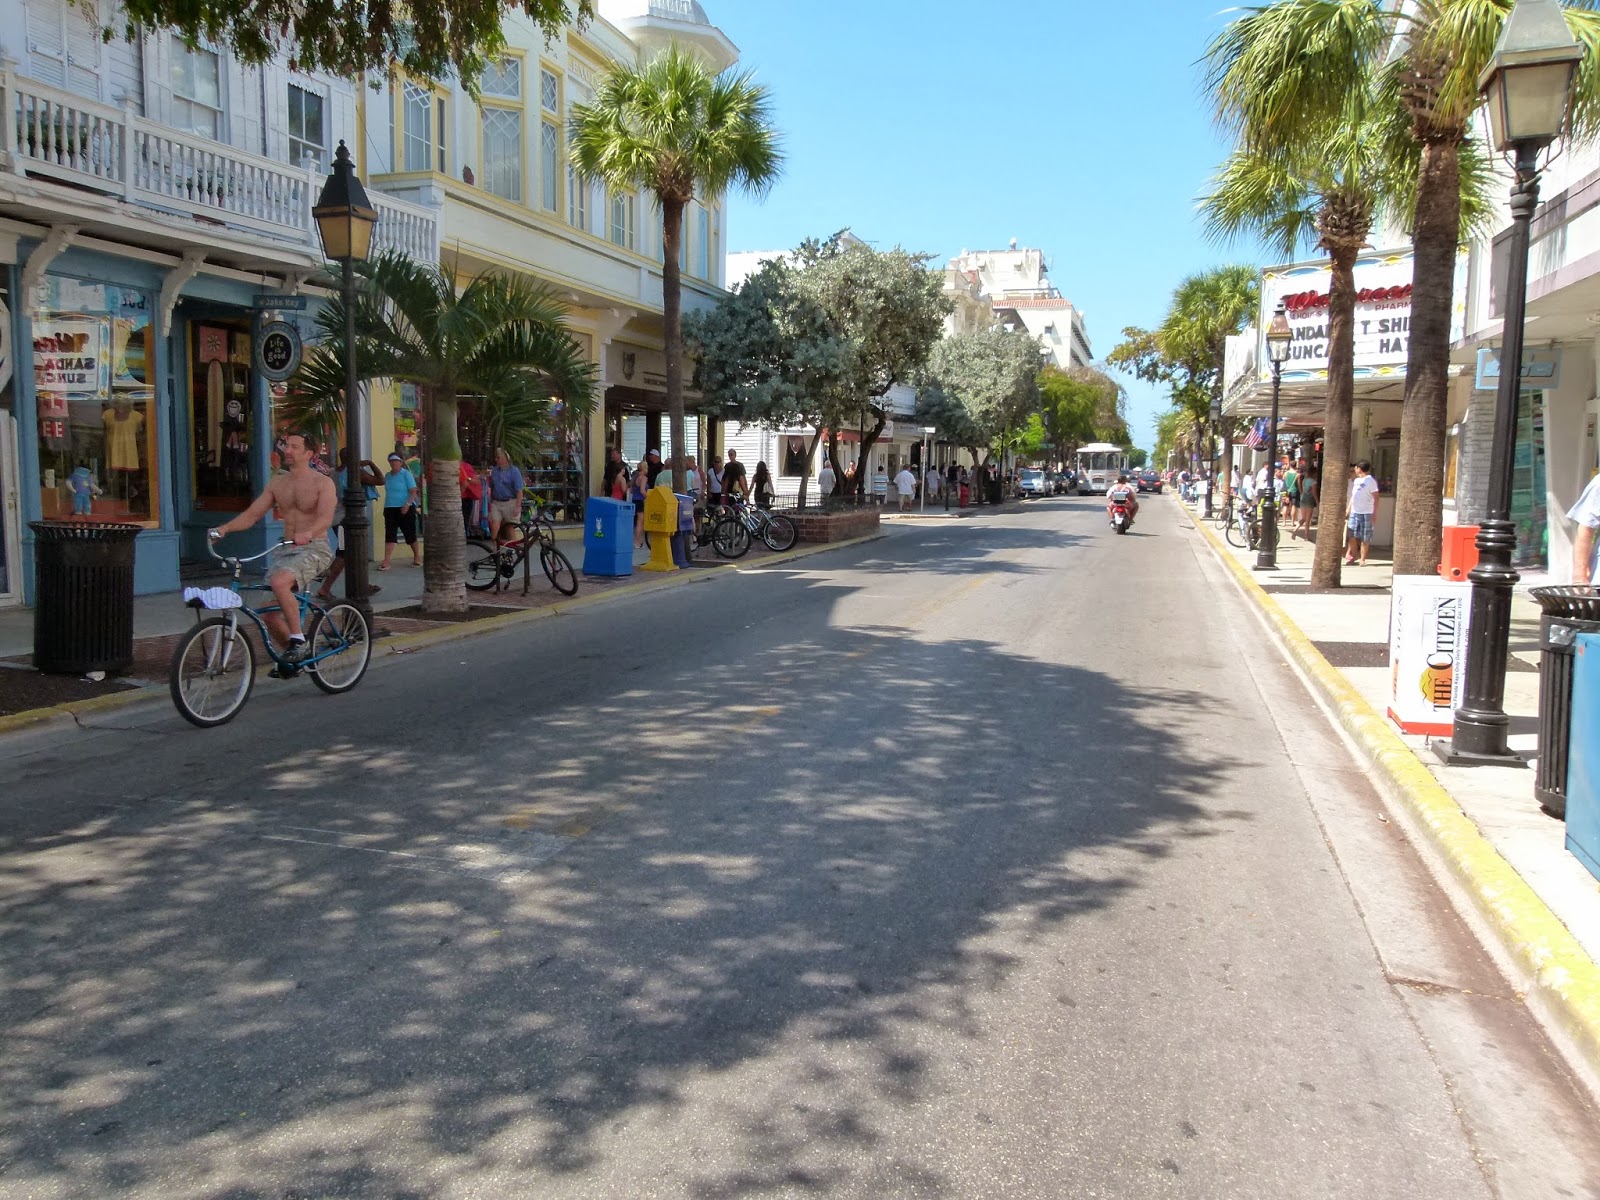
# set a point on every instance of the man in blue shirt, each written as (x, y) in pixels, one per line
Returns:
(505, 495)
(401, 502)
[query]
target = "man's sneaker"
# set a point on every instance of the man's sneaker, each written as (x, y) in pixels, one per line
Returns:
(297, 651)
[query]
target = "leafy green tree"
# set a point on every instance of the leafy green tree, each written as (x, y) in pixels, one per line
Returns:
(348, 38)
(888, 308)
(501, 339)
(768, 355)
(672, 128)
(992, 378)
(1082, 404)
(1137, 457)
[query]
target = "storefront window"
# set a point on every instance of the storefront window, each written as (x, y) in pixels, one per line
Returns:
(1529, 510)
(91, 377)
(223, 423)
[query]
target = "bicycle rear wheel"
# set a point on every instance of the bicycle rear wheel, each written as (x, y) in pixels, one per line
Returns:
(558, 570)
(730, 538)
(779, 532)
(212, 673)
(342, 635)
(1235, 535)
(483, 561)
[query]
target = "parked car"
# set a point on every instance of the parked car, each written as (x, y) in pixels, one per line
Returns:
(1150, 481)
(1031, 483)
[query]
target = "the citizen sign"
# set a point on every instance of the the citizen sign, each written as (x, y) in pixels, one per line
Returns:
(1382, 314)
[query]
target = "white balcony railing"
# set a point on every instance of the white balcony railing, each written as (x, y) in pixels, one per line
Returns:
(56, 135)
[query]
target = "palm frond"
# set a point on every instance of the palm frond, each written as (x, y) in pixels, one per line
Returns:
(1262, 196)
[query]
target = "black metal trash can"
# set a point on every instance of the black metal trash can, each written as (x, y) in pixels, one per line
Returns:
(83, 596)
(1568, 611)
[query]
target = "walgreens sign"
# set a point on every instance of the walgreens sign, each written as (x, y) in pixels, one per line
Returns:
(1382, 314)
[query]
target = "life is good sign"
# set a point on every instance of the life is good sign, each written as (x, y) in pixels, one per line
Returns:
(1382, 314)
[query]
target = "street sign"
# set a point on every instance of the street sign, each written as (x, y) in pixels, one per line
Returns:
(272, 302)
(277, 351)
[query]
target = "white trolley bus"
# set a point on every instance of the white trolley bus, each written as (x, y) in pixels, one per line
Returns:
(1097, 466)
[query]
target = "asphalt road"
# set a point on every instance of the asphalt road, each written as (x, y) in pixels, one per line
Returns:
(997, 858)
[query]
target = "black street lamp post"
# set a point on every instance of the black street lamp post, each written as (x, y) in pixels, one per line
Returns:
(1526, 87)
(1279, 340)
(345, 219)
(1211, 454)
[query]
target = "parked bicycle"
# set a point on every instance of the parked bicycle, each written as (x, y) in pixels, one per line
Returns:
(719, 527)
(774, 529)
(492, 565)
(214, 668)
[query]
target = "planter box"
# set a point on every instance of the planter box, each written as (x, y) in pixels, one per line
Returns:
(816, 526)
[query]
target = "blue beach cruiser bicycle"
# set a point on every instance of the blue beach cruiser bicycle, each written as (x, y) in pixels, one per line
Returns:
(214, 668)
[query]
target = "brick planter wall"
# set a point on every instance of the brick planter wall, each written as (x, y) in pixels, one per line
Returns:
(835, 526)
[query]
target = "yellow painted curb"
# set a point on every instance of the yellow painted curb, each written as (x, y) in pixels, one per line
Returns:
(111, 701)
(1560, 975)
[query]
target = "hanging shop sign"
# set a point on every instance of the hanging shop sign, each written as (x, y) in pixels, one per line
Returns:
(273, 302)
(1428, 619)
(1540, 369)
(1382, 315)
(278, 351)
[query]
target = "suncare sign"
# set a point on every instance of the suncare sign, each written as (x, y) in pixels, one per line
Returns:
(1427, 652)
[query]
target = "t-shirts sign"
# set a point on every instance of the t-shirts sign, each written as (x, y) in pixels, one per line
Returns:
(69, 356)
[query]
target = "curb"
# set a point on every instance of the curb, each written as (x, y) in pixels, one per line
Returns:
(408, 642)
(1560, 980)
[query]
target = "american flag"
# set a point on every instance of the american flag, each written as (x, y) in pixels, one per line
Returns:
(1256, 439)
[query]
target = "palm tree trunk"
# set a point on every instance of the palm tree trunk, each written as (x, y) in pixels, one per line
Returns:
(444, 563)
(1325, 566)
(1419, 492)
(672, 320)
(1222, 471)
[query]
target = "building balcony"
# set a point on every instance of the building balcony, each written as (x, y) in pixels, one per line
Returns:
(196, 192)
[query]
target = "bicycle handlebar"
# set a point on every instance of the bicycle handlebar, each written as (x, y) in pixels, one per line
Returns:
(211, 545)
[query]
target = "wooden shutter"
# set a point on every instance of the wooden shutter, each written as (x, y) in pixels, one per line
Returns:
(47, 42)
(158, 77)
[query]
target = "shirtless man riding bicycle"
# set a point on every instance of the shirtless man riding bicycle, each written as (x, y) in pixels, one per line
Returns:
(306, 499)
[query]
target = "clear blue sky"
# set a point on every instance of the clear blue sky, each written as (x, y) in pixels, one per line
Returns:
(1075, 126)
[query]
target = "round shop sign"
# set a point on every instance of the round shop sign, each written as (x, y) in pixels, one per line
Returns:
(278, 351)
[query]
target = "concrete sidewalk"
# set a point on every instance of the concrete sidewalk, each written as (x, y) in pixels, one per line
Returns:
(163, 613)
(1349, 629)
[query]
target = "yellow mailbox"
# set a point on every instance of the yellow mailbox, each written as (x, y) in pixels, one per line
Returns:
(661, 522)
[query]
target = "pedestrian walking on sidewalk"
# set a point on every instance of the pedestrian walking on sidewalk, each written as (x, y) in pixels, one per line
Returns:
(1363, 512)
(905, 486)
(505, 496)
(880, 485)
(1307, 510)
(401, 503)
(714, 480)
(761, 485)
(826, 480)
(734, 482)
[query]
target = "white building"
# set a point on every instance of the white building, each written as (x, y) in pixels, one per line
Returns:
(1021, 296)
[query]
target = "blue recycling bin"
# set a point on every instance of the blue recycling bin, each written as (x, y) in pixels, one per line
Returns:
(1583, 755)
(607, 536)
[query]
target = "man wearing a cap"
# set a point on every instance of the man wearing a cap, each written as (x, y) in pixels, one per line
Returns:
(653, 465)
(400, 504)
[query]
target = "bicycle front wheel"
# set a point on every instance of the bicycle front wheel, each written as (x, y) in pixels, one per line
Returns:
(779, 532)
(558, 570)
(341, 646)
(1235, 535)
(212, 673)
(730, 538)
(482, 565)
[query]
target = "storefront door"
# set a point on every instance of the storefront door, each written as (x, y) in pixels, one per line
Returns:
(10, 514)
(222, 422)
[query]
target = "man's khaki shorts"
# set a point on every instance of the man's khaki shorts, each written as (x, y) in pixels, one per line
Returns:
(305, 563)
(504, 512)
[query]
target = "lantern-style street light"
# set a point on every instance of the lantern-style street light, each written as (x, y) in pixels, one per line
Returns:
(345, 219)
(1526, 88)
(1280, 338)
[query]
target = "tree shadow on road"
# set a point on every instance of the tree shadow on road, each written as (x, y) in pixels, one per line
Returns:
(479, 946)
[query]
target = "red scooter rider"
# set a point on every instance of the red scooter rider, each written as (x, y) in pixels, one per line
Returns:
(1124, 493)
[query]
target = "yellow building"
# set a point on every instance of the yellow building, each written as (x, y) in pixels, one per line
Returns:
(496, 171)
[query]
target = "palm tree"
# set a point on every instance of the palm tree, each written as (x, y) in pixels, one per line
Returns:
(502, 339)
(1332, 195)
(673, 128)
(1206, 309)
